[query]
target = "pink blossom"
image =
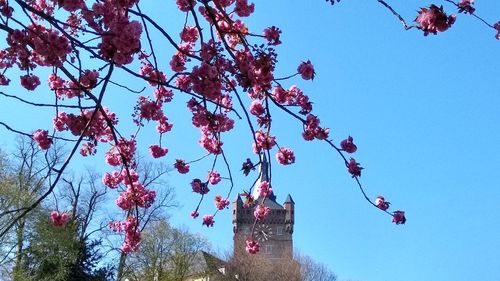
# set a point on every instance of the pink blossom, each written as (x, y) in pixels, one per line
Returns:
(157, 151)
(185, 5)
(264, 189)
(497, 27)
(30, 82)
(399, 217)
(354, 168)
(348, 146)
(129, 176)
(189, 34)
(112, 159)
(213, 177)
(285, 156)
(112, 180)
(42, 138)
(181, 166)
(221, 203)
(252, 246)
(306, 70)
(243, 9)
(71, 5)
(87, 149)
(58, 219)
(208, 220)
(313, 130)
(264, 141)
(257, 108)
(381, 203)
(199, 187)
(194, 214)
(261, 212)
(434, 19)
(163, 125)
(272, 35)
(465, 6)
(136, 195)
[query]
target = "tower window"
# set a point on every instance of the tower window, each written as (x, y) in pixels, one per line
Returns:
(269, 248)
(279, 230)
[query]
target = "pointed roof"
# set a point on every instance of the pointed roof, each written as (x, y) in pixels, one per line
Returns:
(289, 199)
(238, 199)
(264, 176)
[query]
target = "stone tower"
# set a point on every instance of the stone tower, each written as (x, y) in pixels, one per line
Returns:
(274, 234)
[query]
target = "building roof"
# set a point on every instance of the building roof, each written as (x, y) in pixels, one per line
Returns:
(289, 199)
(263, 176)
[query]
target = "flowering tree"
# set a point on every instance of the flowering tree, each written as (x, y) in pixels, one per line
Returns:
(226, 69)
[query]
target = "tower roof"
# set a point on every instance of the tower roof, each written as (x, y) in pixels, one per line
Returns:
(263, 176)
(289, 199)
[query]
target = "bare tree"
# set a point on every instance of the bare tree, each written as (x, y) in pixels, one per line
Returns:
(311, 270)
(24, 176)
(166, 253)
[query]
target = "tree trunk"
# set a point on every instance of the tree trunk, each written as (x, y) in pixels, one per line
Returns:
(19, 246)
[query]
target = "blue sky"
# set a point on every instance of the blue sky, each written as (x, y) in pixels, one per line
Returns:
(423, 112)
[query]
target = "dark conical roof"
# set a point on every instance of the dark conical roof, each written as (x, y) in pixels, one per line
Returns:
(238, 199)
(289, 199)
(264, 176)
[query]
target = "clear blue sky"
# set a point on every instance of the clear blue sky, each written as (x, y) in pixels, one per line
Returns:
(424, 114)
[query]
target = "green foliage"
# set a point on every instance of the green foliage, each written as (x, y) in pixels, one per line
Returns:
(58, 254)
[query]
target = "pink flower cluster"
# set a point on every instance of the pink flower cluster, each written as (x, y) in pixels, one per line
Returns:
(112, 180)
(136, 195)
(306, 70)
(181, 166)
(285, 156)
(242, 8)
(292, 97)
(194, 214)
(210, 125)
(132, 234)
(124, 150)
(208, 220)
(354, 168)
(30, 82)
(252, 246)
(497, 27)
(381, 203)
(213, 177)
(264, 141)
(313, 130)
(265, 189)
(59, 219)
(221, 203)
(120, 37)
(157, 151)
(42, 138)
(71, 5)
(98, 129)
(185, 5)
(465, 6)
(348, 146)
(255, 72)
(261, 212)
(199, 187)
(398, 217)
(153, 76)
(272, 35)
(434, 20)
(49, 48)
